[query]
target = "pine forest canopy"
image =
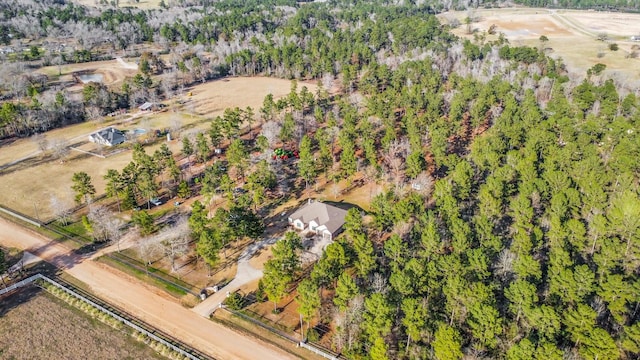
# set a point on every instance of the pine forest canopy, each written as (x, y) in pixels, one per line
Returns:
(509, 224)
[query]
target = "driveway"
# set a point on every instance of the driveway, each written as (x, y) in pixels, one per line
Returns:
(244, 275)
(143, 301)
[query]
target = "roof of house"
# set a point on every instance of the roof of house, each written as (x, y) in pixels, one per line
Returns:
(323, 214)
(110, 135)
(145, 106)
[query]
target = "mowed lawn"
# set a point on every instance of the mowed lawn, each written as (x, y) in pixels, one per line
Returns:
(29, 185)
(36, 325)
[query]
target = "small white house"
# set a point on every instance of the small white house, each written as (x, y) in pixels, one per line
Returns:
(108, 137)
(321, 218)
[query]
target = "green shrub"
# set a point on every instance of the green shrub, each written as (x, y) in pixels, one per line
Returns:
(235, 301)
(312, 335)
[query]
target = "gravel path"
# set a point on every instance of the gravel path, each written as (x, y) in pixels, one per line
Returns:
(244, 275)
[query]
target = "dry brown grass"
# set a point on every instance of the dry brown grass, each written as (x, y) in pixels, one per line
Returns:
(572, 34)
(35, 325)
(211, 98)
(112, 72)
(30, 184)
(142, 4)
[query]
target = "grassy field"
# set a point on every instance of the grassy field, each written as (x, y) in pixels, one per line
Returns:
(28, 185)
(573, 35)
(111, 70)
(36, 325)
(213, 97)
(141, 4)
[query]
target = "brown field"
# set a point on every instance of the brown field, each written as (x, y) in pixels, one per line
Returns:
(142, 4)
(111, 70)
(210, 99)
(28, 185)
(572, 34)
(36, 325)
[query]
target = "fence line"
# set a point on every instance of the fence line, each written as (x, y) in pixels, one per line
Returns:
(317, 351)
(87, 152)
(275, 331)
(262, 325)
(20, 216)
(100, 308)
(121, 319)
(128, 261)
(20, 284)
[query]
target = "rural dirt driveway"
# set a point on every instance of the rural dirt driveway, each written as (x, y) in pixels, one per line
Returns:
(141, 301)
(244, 275)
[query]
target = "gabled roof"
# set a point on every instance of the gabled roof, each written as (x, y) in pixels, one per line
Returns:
(146, 106)
(109, 136)
(323, 214)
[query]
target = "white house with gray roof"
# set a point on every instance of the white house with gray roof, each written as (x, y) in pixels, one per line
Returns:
(321, 218)
(108, 137)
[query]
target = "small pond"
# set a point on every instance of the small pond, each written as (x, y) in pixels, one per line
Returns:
(138, 131)
(87, 78)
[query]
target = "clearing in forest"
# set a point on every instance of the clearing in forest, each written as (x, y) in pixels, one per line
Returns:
(573, 35)
(19, 191)
(211, 98)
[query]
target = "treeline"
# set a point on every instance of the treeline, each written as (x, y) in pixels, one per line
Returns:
(527, 244)
(610, 5)
(301, 41)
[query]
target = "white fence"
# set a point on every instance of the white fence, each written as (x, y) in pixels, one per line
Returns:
(20, 284)
(106, 311)
(20, 216)
(318, 351)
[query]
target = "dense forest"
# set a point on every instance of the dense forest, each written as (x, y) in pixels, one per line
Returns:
(509, 224)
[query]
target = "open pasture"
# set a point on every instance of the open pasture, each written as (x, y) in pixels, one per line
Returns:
(211, 98)
(27, 184)
(140, 4)
(109, 71)
(573, 35)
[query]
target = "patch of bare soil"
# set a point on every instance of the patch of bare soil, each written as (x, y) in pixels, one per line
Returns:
(36, 325)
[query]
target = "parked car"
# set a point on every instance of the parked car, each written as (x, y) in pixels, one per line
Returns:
(156, 201)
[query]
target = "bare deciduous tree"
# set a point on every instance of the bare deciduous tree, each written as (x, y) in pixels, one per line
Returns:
(61, 209)
(379, 283)
(60, 149)
(348, 324)
(150, 249)
(41, 141)
(423, 183)
(175, 240)
(106, 225)
(328, 81)
(271, 130)
(395, 159)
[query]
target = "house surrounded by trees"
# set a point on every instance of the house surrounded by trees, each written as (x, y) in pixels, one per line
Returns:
(321, 218)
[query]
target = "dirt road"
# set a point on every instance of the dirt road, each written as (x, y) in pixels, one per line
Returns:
(141, 301)
(245, 274)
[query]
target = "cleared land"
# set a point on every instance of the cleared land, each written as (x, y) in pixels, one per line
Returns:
(145, 303)
(36, 325)
(572, 34)
(213, 97)
(141, 4)
(111, 71)
(28, 185)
